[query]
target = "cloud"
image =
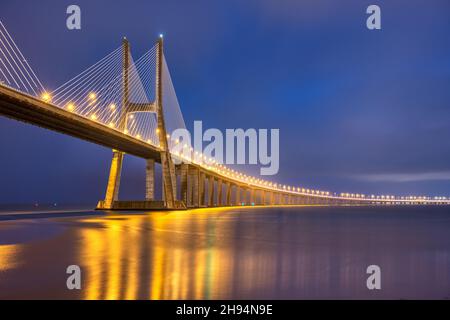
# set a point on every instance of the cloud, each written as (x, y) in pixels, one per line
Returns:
(404, 177)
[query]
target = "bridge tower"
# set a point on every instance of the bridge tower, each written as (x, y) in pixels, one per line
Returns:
(168, 168)
(169, 188)
(115, 172)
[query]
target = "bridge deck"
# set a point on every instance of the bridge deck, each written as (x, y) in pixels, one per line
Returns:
(31, 110)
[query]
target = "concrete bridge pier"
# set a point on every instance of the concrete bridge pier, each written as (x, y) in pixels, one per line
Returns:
(238, 195)
(219, 193)
(112, 190)
(150, 180)
(210, 191)
(195, 200)
(184, 174)
(228, 194)
(202, 189)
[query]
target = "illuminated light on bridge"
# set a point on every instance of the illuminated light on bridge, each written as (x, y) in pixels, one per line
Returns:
(97, 96)
(45, 96)
(70, 106)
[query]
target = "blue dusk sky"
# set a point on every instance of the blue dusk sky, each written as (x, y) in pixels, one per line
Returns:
(358, 110)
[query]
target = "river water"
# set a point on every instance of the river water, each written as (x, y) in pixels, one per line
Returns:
(305, 252)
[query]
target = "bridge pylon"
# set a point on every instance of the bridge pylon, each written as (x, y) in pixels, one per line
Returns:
(168, 168)
(169, 187)
(115, 172)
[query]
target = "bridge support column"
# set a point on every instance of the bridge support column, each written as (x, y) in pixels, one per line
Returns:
(252, 197)
(112, 190)
(201, 189)
(184, 183)
(189, 188)
(238, 195)
(228, 196)
(271, 198)
(197, 188)
(210, 191)
(194, 192)
(303, 200)
(150, 180)
(219, 193)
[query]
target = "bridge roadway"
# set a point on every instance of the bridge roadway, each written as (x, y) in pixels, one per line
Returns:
(26, 108)
(197, 187)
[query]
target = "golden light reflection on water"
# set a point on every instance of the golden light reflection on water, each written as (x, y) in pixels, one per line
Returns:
(157, 256)
(199, 254)
(9, 258)
(236, 253)
(221, 254)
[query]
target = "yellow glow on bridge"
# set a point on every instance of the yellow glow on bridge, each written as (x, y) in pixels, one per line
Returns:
(46, 96)
(70, 106)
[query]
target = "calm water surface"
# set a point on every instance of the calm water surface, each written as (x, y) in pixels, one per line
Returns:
(234, 253)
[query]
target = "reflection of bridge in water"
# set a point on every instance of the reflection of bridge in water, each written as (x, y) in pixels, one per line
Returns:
(130, 106)
(230, 253)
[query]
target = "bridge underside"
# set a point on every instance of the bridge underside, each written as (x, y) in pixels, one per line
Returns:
(31, 110)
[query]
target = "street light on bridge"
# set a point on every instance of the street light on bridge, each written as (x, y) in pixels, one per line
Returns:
(46, 96)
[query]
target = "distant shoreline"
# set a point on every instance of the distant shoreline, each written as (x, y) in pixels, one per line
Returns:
(43, 208)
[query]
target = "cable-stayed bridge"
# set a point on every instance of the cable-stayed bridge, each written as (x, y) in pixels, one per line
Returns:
(131, 107)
